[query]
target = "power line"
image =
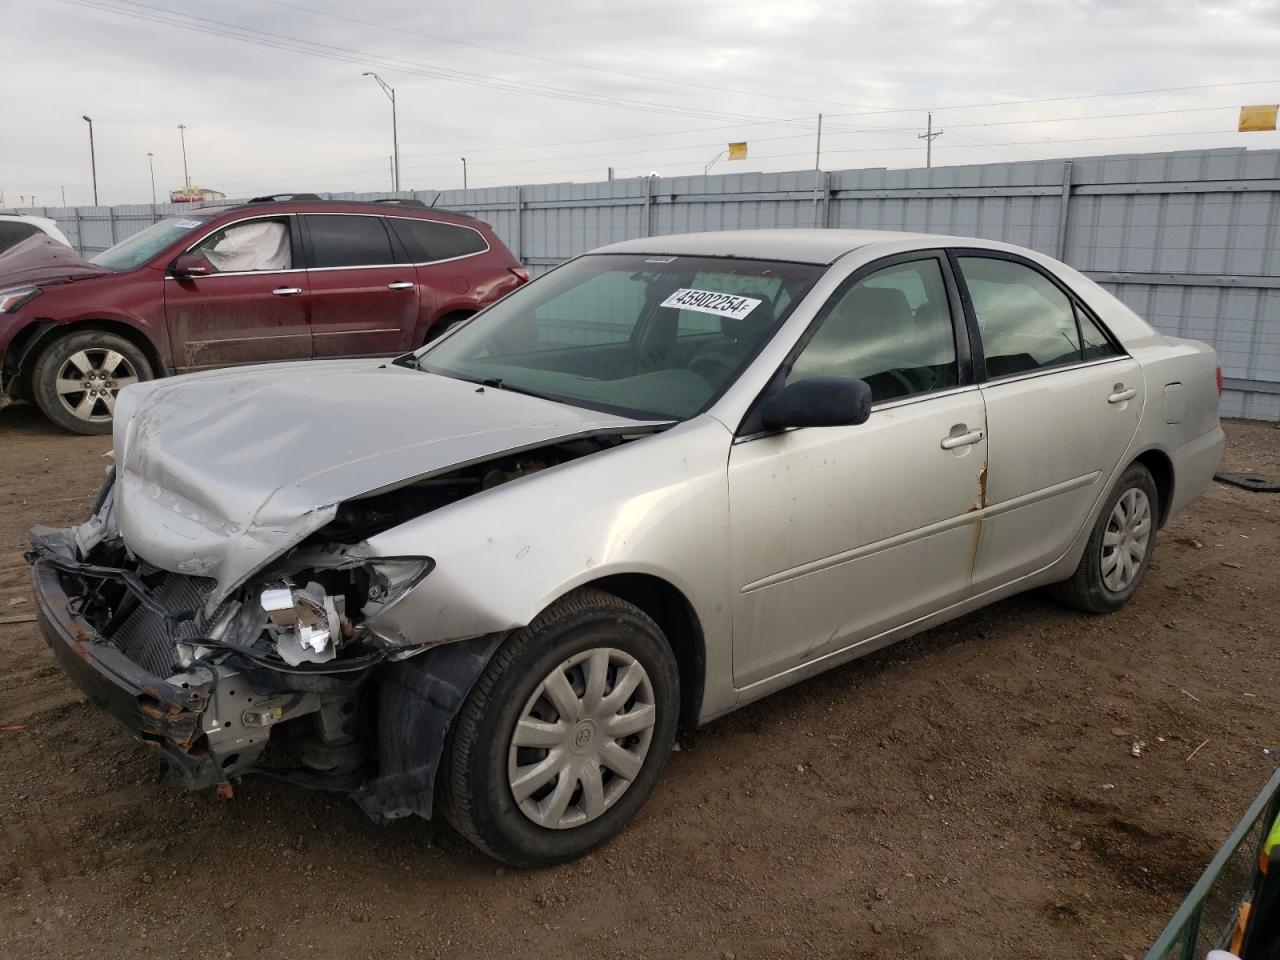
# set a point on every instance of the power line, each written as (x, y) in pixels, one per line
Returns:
(209, 26)
(555, 60)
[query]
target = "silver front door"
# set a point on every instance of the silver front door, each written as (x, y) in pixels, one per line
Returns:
(839, 534)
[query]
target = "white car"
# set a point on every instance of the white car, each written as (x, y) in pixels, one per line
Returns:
(15, 228)
(665, 479)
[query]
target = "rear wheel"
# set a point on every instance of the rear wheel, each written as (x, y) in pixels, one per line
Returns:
(565, 733)
(1120, 547)
(76, 378)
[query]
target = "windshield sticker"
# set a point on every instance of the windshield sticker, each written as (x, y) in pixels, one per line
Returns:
(189, 224)
(708, 301)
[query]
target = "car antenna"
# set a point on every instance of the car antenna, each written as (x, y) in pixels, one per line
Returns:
(438, 192)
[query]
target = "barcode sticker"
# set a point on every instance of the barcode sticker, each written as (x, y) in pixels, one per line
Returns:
(708, 301)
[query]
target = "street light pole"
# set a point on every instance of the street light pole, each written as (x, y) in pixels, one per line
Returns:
(464, 173)
(93, 160)
(390, 91)
(152, 164)
(182, 133)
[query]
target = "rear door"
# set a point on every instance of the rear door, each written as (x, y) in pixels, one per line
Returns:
(1063, 403)
(454, 271)
(251, 307)
(364, 293)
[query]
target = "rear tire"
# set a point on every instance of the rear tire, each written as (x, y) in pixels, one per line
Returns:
(1120, 547)
(76, 378)
(593, 747)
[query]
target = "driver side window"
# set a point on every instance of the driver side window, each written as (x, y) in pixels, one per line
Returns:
(892, 329)
(241, 247)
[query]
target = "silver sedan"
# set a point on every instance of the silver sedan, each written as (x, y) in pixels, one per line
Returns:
(667, 478)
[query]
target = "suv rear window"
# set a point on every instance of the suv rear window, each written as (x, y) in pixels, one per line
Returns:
(341, 240)
(430, 240)
(12, 233)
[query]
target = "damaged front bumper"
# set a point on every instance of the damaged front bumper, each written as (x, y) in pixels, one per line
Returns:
(374, 728)
(164, 717)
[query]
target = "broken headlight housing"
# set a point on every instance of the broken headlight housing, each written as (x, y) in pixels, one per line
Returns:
(336, 606)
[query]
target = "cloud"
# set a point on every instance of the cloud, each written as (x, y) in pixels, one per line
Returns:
(262, 118)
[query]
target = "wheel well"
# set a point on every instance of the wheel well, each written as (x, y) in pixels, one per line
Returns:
(40, 337)
(442, 323)
(669, 609)
(1161, 468)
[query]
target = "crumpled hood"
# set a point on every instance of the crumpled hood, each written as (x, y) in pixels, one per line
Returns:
(41, 259)
(219, 473)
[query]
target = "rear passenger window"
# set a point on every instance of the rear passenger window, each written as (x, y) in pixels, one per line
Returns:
(339, 240)
(430, 240)
(1027, 323)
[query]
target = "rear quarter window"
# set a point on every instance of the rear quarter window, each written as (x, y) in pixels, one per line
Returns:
(429, 241)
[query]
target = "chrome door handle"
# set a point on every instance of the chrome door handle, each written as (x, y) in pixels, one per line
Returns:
(286, 291)
(400, 285)
(1120, 393)
(962, 440)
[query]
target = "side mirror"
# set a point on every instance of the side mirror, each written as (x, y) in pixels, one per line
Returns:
(191, 265)
(819, 402)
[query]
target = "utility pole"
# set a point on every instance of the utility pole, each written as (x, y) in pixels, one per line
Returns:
(390, 91)
(391, 169)
(186, 177)
(817, 170)
(93, 160)
(928, 137)
(152, 164)
(64, 196)
(464, 173)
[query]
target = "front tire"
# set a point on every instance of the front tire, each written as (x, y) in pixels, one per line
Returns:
(565, 733)
(76, 378)
(1120, 547)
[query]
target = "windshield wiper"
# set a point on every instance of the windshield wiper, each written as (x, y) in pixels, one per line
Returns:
(499, 384)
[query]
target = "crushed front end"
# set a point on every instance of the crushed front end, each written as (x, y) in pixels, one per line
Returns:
(276, 679)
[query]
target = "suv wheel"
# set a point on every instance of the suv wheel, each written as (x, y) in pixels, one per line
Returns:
(77, 377)
(565, 733)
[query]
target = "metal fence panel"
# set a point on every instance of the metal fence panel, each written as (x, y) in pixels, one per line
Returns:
(1190, 240)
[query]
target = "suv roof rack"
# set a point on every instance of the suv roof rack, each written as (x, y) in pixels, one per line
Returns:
(411, 202)
(285, 197)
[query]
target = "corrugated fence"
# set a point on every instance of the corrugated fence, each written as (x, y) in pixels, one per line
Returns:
(1190, 240)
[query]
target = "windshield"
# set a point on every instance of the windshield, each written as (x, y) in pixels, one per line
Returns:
(141, 247)
(652, 337)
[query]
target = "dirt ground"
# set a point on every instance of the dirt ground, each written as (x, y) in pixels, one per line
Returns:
(969, 793)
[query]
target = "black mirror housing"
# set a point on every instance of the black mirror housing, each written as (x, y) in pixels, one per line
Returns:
(819, 402)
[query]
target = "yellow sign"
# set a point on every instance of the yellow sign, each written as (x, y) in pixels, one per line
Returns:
(738, 151)
(1261, 116)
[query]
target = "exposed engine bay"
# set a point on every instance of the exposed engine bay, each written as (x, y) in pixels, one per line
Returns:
(285, 671)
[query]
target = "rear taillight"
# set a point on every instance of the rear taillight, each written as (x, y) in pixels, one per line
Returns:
(1219, 375)
(520, 273)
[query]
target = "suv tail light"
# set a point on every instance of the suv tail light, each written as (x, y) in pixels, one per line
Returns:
(520, 273)
(1219, 375)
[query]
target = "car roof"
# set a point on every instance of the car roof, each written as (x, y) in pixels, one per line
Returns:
(823, 246)
(299, 204)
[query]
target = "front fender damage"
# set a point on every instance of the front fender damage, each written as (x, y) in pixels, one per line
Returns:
(418, 700)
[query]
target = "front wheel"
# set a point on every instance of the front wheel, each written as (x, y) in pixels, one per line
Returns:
(1120, 547)
(565, 733)
(77, 377)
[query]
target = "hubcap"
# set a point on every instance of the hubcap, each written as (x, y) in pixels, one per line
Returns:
(89, 381)
(1124, 545)
(582, 738)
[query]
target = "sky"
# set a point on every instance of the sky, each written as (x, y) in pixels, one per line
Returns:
(273, 100)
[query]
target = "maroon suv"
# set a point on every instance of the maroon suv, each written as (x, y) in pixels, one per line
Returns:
(277, 278)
